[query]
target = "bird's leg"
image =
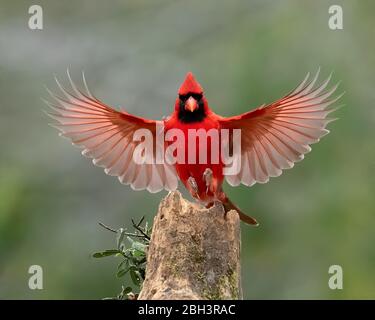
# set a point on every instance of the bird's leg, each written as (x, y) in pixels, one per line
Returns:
(222, 198)
(208, 178)
(193, 187)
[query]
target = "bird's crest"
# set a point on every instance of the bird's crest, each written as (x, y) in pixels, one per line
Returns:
(190, 85)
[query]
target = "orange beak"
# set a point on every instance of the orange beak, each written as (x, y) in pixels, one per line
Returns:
(191, 104)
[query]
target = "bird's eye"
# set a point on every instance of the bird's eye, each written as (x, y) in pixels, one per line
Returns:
(183, 97)
(196, 96)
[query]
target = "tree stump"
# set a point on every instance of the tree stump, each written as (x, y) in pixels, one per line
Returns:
(194, 252)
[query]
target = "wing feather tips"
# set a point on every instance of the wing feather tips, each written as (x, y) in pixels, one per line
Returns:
(156, 183)
(104, 133)
(233, 180)
(288, 128)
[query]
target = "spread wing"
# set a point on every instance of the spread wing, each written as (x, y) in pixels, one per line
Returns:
(275, 136)
(106, 136)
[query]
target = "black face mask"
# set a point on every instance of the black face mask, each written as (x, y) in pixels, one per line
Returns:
(187, 116)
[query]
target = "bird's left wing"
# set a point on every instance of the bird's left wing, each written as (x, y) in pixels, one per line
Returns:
(275, 136)
(106, 135)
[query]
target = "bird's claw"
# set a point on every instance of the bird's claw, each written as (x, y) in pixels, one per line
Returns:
(207, 177)
(193, 187)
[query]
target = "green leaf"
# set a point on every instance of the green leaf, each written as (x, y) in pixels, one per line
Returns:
(138, 253)
(137, 245)
(105, 253)
(126, 290)
(135, 276)
(120, 238)
(122, 264)
(122, 272)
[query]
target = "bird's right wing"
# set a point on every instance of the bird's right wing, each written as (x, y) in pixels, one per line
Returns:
(106, 135)
(275, 136)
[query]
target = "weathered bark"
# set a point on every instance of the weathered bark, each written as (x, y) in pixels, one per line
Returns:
(194, 252)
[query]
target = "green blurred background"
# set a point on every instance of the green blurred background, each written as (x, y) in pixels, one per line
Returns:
(135, 54)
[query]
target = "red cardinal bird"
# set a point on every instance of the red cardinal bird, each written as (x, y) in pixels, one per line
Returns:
(273, 137)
